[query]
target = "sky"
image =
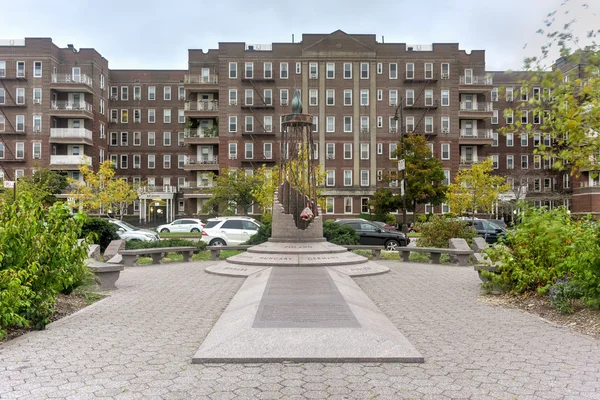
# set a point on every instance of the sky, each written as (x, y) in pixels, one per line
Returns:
(155, 34)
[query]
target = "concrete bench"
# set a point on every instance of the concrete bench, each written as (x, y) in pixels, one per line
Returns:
(435, 253)
(375, 250)
(215, 251)
(105, 275)
(130, 257)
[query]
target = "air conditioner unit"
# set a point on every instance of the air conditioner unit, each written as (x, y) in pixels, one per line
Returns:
(330, 157)
(364, 130)
(313, 76)
(114, 98)
(37, 129)
(445, 130)
(284, 103)
(232, 102)
(232, 157)
(137, 98)
(268, 157)
(445, 76)
(114, 120)
(37, 101)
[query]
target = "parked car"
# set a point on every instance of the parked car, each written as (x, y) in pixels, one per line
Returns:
(129, 232)
(223, 231)
(371, 234)
(182, 225)
(489, 231)
(498, 222)
(384, 225)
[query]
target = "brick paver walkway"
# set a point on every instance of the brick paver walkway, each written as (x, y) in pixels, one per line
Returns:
(138, 343)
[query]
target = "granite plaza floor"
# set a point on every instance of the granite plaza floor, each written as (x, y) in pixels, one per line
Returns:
(139, 342)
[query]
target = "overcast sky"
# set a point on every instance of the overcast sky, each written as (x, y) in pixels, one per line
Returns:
(155, 34)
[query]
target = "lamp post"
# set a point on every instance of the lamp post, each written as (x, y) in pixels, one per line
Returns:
(397, 118)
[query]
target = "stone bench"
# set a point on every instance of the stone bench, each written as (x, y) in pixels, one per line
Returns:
(130, 257)
(215, 251)
(435, 253)
(375, 250)
(105, 275)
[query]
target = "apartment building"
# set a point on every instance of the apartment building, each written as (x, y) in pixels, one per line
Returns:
(168, 130)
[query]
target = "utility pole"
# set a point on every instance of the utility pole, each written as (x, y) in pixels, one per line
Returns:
(400, 121)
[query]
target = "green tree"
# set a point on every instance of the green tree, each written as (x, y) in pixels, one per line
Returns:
(424, 175)
(384, 201)
(42, 186)
(475, 189)
(102, 191)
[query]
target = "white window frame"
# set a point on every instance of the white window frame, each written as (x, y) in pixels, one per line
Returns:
(364, 70)
(409, 71)
(330, 97)
(445, 146)
(232, 123)
(233, 71)
(330, 70)
(347, 177)
(347, 70)
(364, 97)
(393, 67)
(347, 151)
(152, 93)
(364, 151)
(284, 71)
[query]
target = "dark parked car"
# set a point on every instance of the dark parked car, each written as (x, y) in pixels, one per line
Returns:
(489, 231)
(384, 225)
(373, 235)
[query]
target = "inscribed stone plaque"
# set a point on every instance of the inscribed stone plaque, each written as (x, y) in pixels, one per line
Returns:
(303, 298)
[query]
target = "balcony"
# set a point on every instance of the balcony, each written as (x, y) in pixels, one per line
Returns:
(467, 162)
(475, 84)
(68, 109)
(476, 137)
(71, 83)
(201, 83)
(196, 189)
(69, 162)
(471, 110)
(590, 187)
(201, 108)
(200, 136)
(71, 135)
(204, 163)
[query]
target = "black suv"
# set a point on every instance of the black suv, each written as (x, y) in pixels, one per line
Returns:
(486, 229)
(373, 235)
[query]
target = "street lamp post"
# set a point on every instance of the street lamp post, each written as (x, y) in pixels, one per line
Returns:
(399, 118)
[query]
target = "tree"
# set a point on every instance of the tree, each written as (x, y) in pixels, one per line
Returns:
(475, 189)
(237, 189)
(42, 186)
(424, 175)
(384, 201)
(102, 191)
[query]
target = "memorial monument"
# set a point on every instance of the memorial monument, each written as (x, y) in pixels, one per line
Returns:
(299, 302)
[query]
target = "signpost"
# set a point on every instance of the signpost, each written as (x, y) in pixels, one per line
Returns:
(9, 184)
(401, 165)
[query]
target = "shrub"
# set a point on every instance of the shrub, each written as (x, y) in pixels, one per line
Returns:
(101, 230)
(562, 293)
(339, 234)
(439, 229)
(262, 235)
(171, 242)
(39, 258)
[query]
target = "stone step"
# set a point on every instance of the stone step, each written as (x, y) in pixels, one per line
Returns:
(297, 248)
(294, 260)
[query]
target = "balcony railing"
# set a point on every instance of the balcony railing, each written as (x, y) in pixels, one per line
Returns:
(476, 107)
(70, 133)
(196, 185)
(468, 161)
(206, 160)
(589, 184)
(70, 160)
(476, 133)
(196, 133)
(199, 79)
(157, 189)
(201, 106)
(75, 79)
(476, 80)
(70, 105)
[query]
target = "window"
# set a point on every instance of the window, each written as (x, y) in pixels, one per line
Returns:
(166, 138)
(393, 71)
(364, 97)
(2, 154)
(380, 122)
(510, 162)
(114, 139)
(313, 97)
(151, 115)
(428, 124)
(20, 69)
(524, 140)
(268, 70)
(347, 177)
(347, 205)
(283, 97)
(124, 93)
(137, 92)
(379, 68)
(445, 122)
(364, 205)
(37, 69)
(364, 70)
(537, 139)
(37, 150)
(268, 123)
(429, 97)
(167, 93)
(330, 69)
(364, 177)
(137, 138)
(268, 151)
(151, 161)
(37, 123)
(566, 181)
(410, 70)
(524, 94)
(364, 124)
(509, 139)
(445, 151)
(495, 117)
(330, 178)
(315, 124)
(446, 177)
(509, 115)
(524, 161)
(151, 138)
(180, 139)
(151, 92)
(268, 97)
(232, 97)
(232, 123)
(330, 97)
(20, 96)
(536, 93)
(20, 150)
(329, 205)
(537, 117)
(495, 162)
(249, 97)
(410, 97)
(124, 161)
(393, 96)
(537, 161)
(232, 151)
(2, 96)
(249, 123)
(410, 124)
(249, 70)
(392, 151)
(330, 124)
(313, 70)
(379, 149)
(101, 156)
(232, 70)
(393, 125)
(180, 117)
(364, 151)
(347, 124)
(348, 97)
(509, 94)
(495, 94)
(428, 71)
(283, 70)
(379, 95)
(524, 116)
(3, 69)
(468, 76)
(347, 70)
(102, 106)
(347, 151)
(330, 150)
(180, 161)
(445, 71)
(2, 123)
(181, 92)
(445, 98)
(124, 139)
(124, 116)
(298, 68)
(20, 123)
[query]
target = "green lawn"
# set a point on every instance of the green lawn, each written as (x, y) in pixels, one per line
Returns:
(180, 234)
(201, 256)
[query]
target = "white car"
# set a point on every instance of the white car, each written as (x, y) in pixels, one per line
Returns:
(182, 225)
(223, 231)
(130, 232)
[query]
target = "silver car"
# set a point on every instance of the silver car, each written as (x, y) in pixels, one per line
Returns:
(129, 232)
(223, 231)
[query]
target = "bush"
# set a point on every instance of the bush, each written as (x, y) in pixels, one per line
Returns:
(39, 258)
(339, 234)
(171, 242)
(439, 229)
(99, 231)
(562, 294)
(262, 235)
